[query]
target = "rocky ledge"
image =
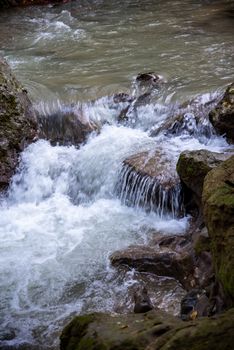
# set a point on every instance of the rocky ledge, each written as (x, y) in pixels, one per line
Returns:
(152, 330)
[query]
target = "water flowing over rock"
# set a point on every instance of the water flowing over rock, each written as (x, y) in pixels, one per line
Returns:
(146, 87)
(189, 118)
(18, 125)
(148, 180)
(222, 116)
(152, 330)
(66, 127)
(218, 203)
(192, 168)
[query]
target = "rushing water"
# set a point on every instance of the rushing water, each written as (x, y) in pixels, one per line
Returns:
(62, 218)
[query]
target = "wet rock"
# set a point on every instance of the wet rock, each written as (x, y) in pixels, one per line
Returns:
(146, 87)
(153, 330)
(146, 82)
(142, 301)
(14, 3)
(194, 304)
(218, 204)
(66, 128)
(192, 168)
(18, 124)
(129, 113)
(222, 116)
(147, 180)
(162, 262)
(190, 118)
(122, 97)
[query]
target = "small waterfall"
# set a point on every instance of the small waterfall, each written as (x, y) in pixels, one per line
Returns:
(150, 193)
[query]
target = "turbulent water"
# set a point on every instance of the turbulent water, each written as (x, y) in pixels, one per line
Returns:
(62, 216)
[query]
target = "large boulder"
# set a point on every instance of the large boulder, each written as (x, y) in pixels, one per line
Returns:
(218, 203)
(152, 330)
(148, 180)
(222, 116)
(18, 123)
(192, 168)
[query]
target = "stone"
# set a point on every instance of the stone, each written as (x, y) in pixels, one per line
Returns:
(148, 180)
(18, 123)
(152, 330)
(222, 116)
(218, 204)
(162, 262)
(14, 3)
(66, 127)
(147, 86)
(142, 301)
(189, 118)
(149, 81)
(194, 304)
(192, 167)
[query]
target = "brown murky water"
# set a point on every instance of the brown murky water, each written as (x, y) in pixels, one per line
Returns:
(87, 49)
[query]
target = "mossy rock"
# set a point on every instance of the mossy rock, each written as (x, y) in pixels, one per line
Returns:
(152, 330)
(192, 168)
(218, 202)
(18, 123)
(222, 116)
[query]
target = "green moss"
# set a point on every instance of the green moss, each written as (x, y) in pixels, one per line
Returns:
(202, 244)
(224, 195)
(89, 344)
(74, 331)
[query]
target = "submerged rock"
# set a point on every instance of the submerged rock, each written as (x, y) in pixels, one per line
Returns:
(192, 168)
(147, 82)
(18, 124)
(66, 128)
(189, 118)
(147, 180)
(146, 87)
(153, 330)
(222, 116)
(218, 204)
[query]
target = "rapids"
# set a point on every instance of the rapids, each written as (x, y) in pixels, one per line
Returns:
(62, 217)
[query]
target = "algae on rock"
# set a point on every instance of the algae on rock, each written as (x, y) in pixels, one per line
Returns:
(152, 330)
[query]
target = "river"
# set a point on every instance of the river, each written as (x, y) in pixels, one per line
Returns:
(61, 218)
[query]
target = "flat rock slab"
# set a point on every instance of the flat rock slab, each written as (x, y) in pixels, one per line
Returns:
(162, 262)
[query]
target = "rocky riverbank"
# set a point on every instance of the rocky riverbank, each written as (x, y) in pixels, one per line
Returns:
(201, 260)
